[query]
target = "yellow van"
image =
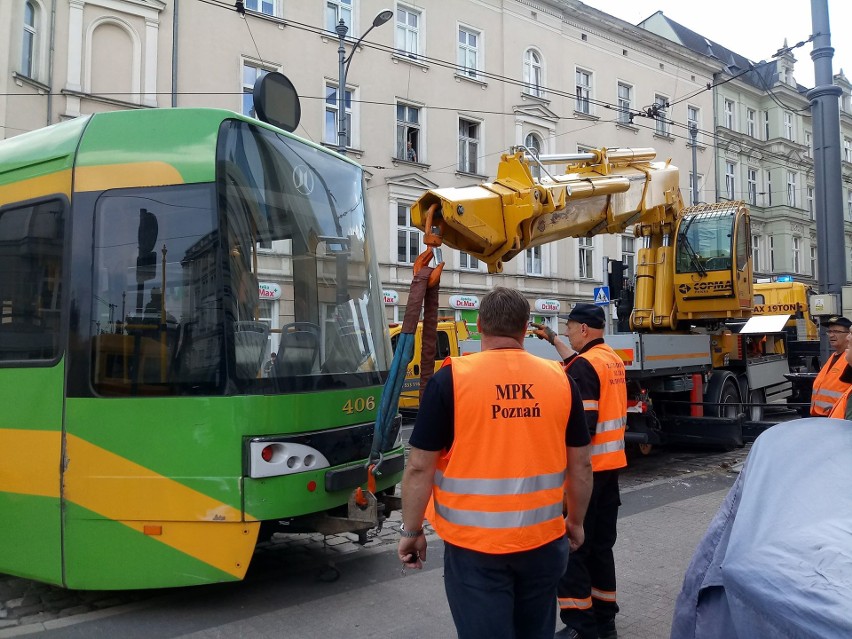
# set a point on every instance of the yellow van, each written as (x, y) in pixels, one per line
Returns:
(450, 333)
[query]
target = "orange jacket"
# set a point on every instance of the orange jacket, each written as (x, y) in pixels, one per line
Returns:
(499, 489)
(608, 440)
(827, 386)
(839, 409)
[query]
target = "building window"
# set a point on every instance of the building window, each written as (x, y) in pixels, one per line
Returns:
(251, 73)
(808, 144)
(533, 143)
(408, 237)
(266, 7)
(533, 260)
(751, 122)
(583, 81)
(628, 255)
(468, 58)
(730, 167)
(847, 149)
(729, 114)
(407, 31)
(693, 115)
(813, 259)
(662, 127)
(467, 261)
(28, 52)
(625, 103)
(849, 205)
(585, 257)
(768, 194)
(752, 186)
(533, 76)
(408, 133)
(337, 10)
(797, 254)
(755, 251)
(468, 146)
(810, 199)
(771, 254)
(331, 115)
(698, 187)
(791, 188)
(766, 125)
(788, 125)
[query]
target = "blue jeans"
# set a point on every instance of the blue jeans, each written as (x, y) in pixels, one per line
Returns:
(511, 596)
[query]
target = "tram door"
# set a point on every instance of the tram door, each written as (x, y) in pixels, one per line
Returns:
(32, 373)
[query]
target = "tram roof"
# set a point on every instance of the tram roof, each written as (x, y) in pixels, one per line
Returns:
(182, 140)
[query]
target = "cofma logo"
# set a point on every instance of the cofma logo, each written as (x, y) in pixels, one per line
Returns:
(706, 287)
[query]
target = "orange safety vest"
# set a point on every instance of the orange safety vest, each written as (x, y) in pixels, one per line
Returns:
(838, 411)
(500, 487)
(827, 386)
(608, 440)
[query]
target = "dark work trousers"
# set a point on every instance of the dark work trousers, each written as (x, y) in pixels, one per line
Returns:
(510, 596)
(587, 589)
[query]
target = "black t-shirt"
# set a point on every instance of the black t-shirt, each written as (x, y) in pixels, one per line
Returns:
(433, 430)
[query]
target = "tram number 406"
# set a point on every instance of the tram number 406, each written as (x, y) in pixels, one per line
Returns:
(359, 405)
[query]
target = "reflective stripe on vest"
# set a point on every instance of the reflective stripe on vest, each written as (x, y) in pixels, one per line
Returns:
(827, 387)
(511, 486)
(608, 440)
(499, 489)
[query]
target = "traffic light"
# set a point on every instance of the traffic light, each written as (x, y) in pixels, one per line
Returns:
(617, 275)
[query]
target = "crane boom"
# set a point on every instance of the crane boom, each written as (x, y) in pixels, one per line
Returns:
(694, 265)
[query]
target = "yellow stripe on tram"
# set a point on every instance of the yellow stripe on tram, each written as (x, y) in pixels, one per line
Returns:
(131, 174)
(22, 190)
(105, 483)
(29, 462)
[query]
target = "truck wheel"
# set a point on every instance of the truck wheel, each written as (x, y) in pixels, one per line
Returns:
(722, 396)
(757, 399)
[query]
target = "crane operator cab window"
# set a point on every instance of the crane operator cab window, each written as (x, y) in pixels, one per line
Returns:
(705, 242)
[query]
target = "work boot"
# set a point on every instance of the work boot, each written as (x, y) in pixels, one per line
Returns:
(606, 630)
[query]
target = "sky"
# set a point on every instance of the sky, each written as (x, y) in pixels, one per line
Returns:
(753, 28)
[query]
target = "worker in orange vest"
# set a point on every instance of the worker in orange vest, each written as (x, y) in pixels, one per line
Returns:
(828, 387)
(587, 592)
(843, 407)
(499, 453)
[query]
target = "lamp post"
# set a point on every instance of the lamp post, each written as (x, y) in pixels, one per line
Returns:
(343, 62)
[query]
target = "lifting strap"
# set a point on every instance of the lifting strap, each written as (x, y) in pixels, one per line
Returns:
(423, 294)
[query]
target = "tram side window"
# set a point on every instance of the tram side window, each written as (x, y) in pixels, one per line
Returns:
(31, 251)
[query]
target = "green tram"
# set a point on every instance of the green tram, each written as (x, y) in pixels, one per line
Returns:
(147, 436)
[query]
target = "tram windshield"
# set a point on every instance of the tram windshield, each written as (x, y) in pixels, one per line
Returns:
(265, 282)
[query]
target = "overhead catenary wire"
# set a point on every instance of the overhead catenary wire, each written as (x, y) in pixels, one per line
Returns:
(632, 114)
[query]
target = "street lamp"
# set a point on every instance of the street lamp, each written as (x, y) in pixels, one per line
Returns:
(343, 62)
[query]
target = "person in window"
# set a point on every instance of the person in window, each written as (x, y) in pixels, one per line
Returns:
(410, 153)
(269, 367)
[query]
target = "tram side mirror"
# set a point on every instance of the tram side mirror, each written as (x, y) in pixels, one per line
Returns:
(146, 262)
(276, 101)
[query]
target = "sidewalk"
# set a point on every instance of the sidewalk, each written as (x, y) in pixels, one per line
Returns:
(661, 522)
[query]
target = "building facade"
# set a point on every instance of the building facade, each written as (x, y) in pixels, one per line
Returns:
(432, 99)
(763, 151)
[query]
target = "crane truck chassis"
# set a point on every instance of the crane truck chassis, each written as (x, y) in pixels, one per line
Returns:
(694, 364)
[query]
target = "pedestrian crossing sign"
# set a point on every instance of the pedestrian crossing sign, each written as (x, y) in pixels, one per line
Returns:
(602, 295)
